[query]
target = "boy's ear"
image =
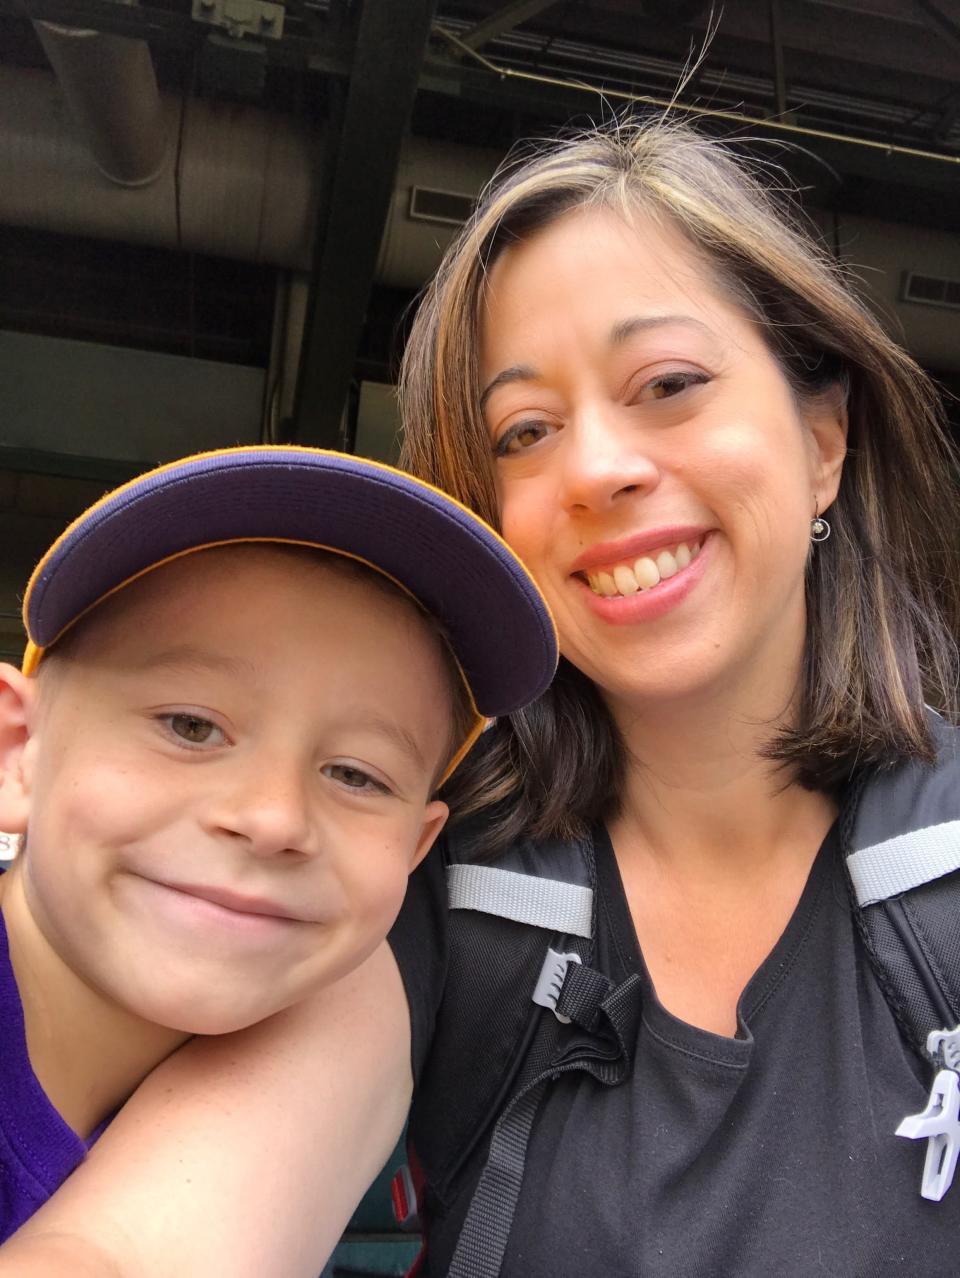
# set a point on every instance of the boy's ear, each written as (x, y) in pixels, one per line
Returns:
(18, 696)
(434, 819)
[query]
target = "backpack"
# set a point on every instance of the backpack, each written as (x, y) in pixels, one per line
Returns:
(521, 941)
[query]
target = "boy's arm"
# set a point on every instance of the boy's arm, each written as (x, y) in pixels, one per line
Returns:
(239, 1156)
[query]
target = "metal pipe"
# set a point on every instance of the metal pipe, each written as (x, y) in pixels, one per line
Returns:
(244, 186)
(673, 104)
(110, 88)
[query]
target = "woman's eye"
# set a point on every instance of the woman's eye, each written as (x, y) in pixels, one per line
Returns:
(354, 778)
(669, 384)
(193, 729)
(517, 438)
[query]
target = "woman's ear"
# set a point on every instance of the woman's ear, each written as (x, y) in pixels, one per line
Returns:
(827, 422)
(18, 698)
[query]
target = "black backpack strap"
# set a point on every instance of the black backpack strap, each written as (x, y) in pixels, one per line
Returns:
(901, 835)
(523, 1006)
(612, 1014)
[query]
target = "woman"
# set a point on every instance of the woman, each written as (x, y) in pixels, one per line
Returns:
(668, 399)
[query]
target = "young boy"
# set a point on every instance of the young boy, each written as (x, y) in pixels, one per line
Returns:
(247, 674)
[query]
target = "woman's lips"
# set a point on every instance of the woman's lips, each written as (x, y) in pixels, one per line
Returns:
(631, 600)
(648, 543)
(644, 572)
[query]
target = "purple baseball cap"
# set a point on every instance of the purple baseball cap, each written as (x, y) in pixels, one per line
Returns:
(457, 568)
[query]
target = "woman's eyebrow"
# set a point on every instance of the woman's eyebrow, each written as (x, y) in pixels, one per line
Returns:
(623, 330)
(515, 373)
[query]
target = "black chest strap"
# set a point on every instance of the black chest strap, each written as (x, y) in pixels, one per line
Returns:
(528, 924)
(609, 1016)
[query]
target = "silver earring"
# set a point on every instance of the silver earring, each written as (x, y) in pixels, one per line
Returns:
(819, 529)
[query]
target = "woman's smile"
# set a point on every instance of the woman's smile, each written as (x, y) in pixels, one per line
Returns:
(648, 586)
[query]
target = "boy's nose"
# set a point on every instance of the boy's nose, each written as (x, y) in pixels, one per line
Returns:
(269, 811)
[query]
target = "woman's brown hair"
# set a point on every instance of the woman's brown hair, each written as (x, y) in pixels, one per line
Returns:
(883, 594)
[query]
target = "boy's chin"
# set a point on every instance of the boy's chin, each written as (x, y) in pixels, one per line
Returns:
(203, 1015)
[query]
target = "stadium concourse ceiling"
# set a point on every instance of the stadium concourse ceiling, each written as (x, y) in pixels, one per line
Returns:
(865, 93)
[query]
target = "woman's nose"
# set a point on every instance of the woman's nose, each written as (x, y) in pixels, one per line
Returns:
(606, 458)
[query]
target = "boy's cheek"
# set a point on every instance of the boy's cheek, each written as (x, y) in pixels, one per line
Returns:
(373, 900)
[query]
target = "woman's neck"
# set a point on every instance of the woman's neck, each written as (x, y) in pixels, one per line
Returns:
(87, 1052)
(700, 791)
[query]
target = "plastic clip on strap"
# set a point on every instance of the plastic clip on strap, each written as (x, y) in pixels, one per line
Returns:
(550, 982)
(939, 1123)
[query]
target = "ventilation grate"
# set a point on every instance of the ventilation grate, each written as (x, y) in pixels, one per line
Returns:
(430, 205)
(931, 290)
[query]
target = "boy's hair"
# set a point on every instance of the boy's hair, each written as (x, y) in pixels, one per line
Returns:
(883, 594)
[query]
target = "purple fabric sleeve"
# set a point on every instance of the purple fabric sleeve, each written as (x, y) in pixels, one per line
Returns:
(38, 1150)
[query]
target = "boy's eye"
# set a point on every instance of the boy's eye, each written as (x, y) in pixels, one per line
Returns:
(354, 778)
(193, 729)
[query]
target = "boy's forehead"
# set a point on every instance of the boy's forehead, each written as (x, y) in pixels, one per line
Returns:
(169, 615)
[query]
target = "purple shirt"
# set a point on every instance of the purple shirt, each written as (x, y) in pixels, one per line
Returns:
(38, 1151)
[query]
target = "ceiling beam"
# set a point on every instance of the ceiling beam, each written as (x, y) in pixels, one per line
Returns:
(942, 21)
(175, 28)
(505, 19)
(358, 182)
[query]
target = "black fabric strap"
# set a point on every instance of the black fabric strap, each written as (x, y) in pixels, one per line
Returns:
(486, 1229)
(582, 995)
(911, 941)
(615, 1011)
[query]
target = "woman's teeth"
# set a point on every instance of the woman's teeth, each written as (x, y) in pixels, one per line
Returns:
(643, 573)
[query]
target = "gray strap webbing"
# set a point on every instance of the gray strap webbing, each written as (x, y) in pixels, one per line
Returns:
(483, 1240)
(904, 862)
(561, 907)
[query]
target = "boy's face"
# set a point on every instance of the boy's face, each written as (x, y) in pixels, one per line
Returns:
(228, 781)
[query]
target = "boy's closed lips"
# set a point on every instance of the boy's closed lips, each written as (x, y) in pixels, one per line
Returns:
(195, 904)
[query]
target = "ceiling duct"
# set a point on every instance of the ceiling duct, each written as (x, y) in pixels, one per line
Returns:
(436, 189)
(243, 186)
(110, 87)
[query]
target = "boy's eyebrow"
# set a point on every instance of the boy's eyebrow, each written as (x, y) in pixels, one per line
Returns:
(396, 732)
(190, 657)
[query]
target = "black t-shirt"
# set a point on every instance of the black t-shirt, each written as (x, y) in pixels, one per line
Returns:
(769, 1154)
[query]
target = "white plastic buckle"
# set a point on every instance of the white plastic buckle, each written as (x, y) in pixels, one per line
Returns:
(939, 1123)
(550, 981)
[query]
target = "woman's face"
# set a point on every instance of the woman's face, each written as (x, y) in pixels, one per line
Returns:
(652, 464)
